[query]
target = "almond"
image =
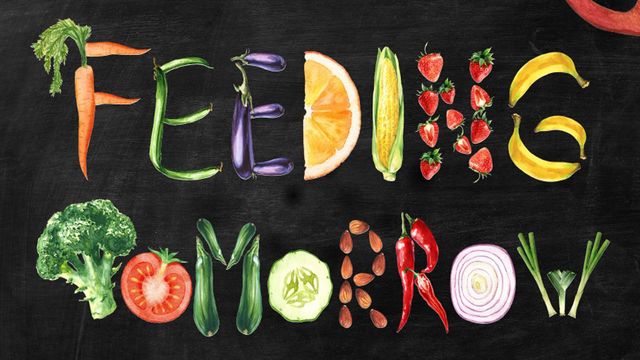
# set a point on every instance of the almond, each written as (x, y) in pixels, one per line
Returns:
(345, 293)
(375, 242)
(378, 265)
(378, 319)
(362, 279)
(363, 298)
(346, 243)
(358, 227)
(344, 318)
(347, 268)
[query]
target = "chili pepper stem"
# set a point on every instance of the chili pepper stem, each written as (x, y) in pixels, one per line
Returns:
(404, 228)
(409, 218)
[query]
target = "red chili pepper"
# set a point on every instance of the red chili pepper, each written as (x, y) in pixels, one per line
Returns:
(405, 259)
(422, 235)
(425, 288)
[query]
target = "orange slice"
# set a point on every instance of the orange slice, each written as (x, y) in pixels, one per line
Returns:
(332, 119)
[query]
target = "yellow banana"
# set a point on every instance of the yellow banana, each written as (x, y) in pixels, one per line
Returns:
(566, 125)
(538, 67)
(530, 164)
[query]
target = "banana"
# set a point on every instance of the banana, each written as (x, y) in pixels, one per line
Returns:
(566, 125)
(530, 164)
(538, 67)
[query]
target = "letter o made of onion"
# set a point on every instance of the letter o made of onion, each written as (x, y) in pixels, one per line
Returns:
(483, 283)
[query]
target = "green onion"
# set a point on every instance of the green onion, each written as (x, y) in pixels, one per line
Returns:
(530, 258)
(591, 258)
(561, 280)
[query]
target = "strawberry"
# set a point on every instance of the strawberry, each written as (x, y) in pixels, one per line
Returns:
(429, 131)
(447, 91)
(481, 163)
(480, 99)
(430, 65)
(462, 144)
(430, 163)
(428, 100)
(480, 127)
(481, 64)
(455, 119)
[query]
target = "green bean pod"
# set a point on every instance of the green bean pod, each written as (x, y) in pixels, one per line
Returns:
(189, 119)
(206, 230)
(246, 234)
(205, 311)
(250, 308)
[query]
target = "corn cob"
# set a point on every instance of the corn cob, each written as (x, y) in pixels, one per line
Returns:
(388, 115)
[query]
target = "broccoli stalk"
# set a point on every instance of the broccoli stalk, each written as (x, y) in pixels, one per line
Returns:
(80, 245)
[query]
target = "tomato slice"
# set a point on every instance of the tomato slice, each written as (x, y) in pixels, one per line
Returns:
(155, 286)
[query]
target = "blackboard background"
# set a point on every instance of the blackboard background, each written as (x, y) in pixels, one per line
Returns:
(39, 174)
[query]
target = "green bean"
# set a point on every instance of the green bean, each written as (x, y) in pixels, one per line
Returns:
(187, 61)
(159, 119)
(206, 230)
(205, 311)
(250, 309)
(246, 234)
(188, 119)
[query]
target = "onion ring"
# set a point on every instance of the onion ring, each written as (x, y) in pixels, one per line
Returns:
(483, 283)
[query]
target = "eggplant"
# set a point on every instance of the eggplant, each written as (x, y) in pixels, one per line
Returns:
(274, 167)
(266, 61)
(241, 140)
(267, 111)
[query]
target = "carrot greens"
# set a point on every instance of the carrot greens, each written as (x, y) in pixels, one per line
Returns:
(51, 48)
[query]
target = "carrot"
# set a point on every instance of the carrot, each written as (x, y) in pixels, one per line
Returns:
(52, 50)
(106, 48)
(86, 104)
(102, 98)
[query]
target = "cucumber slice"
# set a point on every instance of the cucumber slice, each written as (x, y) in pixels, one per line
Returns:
(299, 286)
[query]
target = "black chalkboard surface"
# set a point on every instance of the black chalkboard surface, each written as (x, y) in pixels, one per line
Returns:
(39, 175)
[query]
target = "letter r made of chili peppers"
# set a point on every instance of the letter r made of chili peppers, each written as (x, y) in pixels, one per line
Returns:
(160, 120)
(241, 137)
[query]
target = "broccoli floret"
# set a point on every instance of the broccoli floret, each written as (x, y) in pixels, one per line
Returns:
(80, 244)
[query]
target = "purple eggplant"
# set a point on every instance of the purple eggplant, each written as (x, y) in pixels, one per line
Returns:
(273, 167)
(266, 61)
(268, 111)
(241, 140)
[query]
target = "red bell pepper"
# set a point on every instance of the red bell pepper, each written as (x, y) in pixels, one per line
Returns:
(422, 235)
(405, 259)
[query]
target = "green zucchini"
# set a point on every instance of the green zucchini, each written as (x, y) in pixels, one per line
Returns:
(250, 308)
(246, 234)
(205, 311)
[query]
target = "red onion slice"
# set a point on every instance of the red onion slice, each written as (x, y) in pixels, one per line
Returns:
(483, 283)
